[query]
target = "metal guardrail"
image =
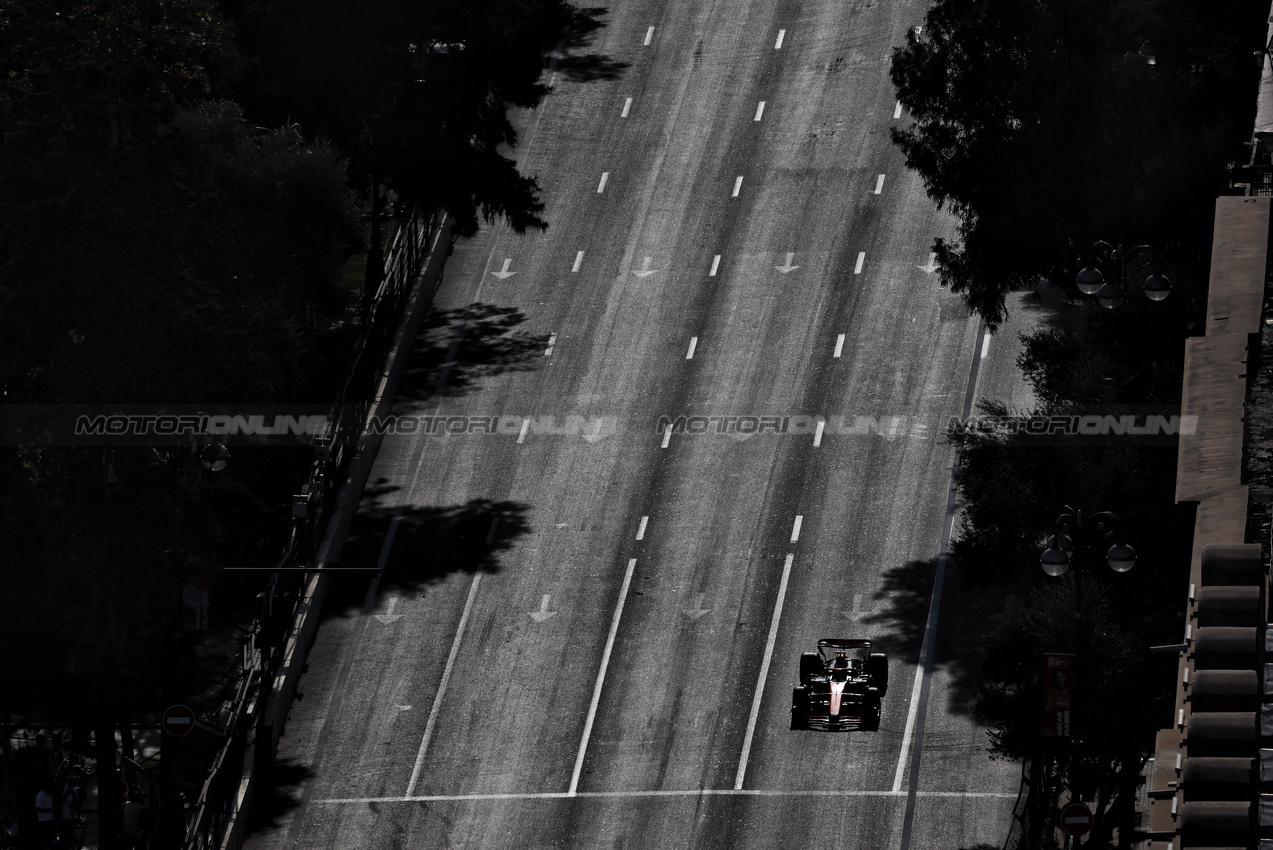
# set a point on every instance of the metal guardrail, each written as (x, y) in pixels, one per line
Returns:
(210, 815)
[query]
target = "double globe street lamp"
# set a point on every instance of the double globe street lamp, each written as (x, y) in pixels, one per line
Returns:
(1110, 293)
(1074, 537)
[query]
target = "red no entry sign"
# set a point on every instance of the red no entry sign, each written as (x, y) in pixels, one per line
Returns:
(1076, 819)
(178, 720)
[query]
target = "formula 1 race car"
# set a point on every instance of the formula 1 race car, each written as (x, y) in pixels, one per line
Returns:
(841, 686)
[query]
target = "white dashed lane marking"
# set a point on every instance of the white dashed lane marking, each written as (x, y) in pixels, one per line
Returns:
(689, 355)
(879, 184)
(857, 269)
(641, 529)
(601, 187)
(627, 104)
(738, 186)
(781, 35)
(649, 36)
(795, 528)
(760, 110)
(839, 345)
(578, 262)
(715, 266)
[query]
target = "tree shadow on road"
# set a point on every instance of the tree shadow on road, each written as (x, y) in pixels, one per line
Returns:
(486, 342)
(278, 794)
(430, 543)
(587, 67)
(901, 617)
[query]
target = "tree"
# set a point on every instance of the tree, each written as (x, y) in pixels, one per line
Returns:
(1044, 128)
(414, 93)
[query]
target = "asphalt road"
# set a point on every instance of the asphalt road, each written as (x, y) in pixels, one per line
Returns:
(588, 623)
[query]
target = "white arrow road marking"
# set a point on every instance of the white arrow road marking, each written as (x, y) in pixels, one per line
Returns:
(787, 267)
(552, 341)
(689, 355)
(932, 264)
(504, 273)
(543, 613)
(578, 262)
(627, 104)
(645, 270)
(817, 436)
(738, 186)
(601, 678)
(781, 35)
(641, 530)
(388, 616)
(764, 672)
(715, 266)
(861, 259)
(879, 184)
(839, 346)
(649, 34)
(858, 611)
(601, 187)
(760, 110)
(698, 610)
(795, 529)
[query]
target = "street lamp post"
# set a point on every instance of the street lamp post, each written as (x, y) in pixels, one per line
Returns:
(1073, 539)
(1110, 293)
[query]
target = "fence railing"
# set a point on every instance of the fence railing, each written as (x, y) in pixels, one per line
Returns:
(210, 815)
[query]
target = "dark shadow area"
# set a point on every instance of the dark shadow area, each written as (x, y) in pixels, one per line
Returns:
(430, 543)
(587, 67)
(489, 343)
(278, 794)
(901, 615)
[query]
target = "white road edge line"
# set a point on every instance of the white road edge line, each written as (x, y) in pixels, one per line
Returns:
(627, 104)
(641, 530)
(689, 355)
(738, 185)
(601, 187)
(704, 792)
(715, 266)
(764, 673)
(601, 677)
(781, 35)
(795, 528)
(578, 262)
(861, 259)
(817, 436)
(760, 110)
(839, 346)
(649, 34)
(446, 677)
(879, 184)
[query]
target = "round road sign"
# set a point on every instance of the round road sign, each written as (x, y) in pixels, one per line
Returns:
(178, 720)
(1076, 819)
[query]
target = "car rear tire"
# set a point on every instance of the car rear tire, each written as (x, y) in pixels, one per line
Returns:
(871, 722)
(799, 708)
(877, 670)
(810, 666)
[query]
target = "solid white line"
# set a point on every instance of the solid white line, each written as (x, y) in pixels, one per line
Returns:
(910, 729)
(627, 104)
(601, 678)
(705, 792)
(861, 259)
(641, 530)
(738, 185)
(552, 340)
(760, 110)
(985, 347)
(649, 34)
(521, 438)
(667, 437)
(879, 184)
(715, 266)
(897, 110)
(781, 35)
(839, 345)
(764, 673)
(446, 677)
(689, 355)
(817, 437)
(795, 529)
(601, 187)
(578, 262)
